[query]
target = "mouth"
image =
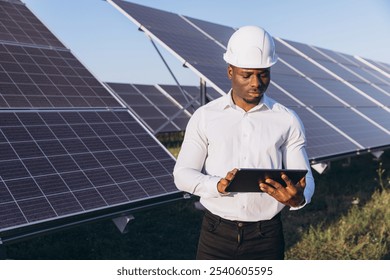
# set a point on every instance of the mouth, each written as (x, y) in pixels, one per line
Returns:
(254, 93)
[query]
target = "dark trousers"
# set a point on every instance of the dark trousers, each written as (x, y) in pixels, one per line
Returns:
(222, 239)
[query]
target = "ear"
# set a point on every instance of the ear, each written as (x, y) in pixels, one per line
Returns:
(230, 72)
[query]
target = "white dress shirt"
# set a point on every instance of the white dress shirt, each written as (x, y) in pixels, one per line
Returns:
(221, 136)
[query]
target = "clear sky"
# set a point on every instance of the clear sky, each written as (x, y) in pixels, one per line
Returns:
(112, 48)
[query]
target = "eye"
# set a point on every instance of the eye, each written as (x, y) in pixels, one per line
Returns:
(264, 75)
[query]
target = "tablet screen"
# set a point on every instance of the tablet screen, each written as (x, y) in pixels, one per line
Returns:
(247, 179)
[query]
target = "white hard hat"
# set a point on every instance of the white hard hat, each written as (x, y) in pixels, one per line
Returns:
(251, 47)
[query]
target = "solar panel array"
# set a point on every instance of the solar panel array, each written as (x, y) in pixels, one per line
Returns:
(156, 110)
(307, 82)
(161, 108)
(39, 77)
(343, 102)
(69, 150)
(19, 25)
(190, 45)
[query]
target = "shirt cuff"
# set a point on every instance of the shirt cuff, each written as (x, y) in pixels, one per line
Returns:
(300, 206)
(211, 186)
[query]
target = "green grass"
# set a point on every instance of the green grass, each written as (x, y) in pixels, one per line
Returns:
(348, 219)
(363, 233)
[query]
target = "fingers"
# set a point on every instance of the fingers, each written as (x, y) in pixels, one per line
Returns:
(222, 185)
(273, 187)
(302, 182)
(286, 179)
(270, 186)
(230, 175)
(289, 195)
(224, 182)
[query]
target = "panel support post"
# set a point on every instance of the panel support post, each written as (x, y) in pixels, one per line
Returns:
(3, 251)
(321, 167)
(122, 223)
(377, 154)
(202, 92)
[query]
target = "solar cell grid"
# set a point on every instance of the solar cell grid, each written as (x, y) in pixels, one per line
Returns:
(372, 76)
(368, 74)
(57, 165)
(219, 32)
(350, 76)
(13, 1)
(378, 115)
(216, 73)
(381, 65)
(305, 66)
(275, 93)
(347, 58)
(18, 24)
(346, 93)
(192, 93)
(357, 93)
(44, 78)
(282, 68)
(337, 56)
(156, 110)
(342, 65)
(44, 177)
(322, 140)
(181, 120)
(213, 94)
(305, 91)
(308, 84)
(280, 48)
(355, 126)
(382, 97)
(191, 45)
(345, 66)
(306, 49)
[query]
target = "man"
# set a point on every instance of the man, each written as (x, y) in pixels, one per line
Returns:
(244, 129)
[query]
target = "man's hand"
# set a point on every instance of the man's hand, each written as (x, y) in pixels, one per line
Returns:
(291, 195)
(224, 182)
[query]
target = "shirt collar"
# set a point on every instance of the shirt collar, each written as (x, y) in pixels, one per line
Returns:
(265, 103)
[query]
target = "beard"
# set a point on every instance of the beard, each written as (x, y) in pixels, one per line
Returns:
(253, 100)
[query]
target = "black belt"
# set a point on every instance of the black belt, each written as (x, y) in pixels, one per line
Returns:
(240, 224)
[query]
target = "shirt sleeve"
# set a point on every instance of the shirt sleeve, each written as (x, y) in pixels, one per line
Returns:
(295, 157)
(187, 172)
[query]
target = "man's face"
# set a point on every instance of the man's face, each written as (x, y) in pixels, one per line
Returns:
(248, 85)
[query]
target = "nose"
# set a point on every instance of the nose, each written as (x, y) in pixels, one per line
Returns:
(255, 81)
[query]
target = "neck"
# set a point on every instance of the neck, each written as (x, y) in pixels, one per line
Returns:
(244, 104)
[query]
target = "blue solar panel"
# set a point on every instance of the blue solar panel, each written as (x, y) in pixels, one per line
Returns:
(219, 32)
(192, 46)
(322, 140)
(157, 111)
(305, 91)
(78, 162)
(47, 78)
(297, 81)
(352, 72)
(345, 92)
(190, 100)
(383, 67)
(69, 150)
(19, 25)
(356, 126)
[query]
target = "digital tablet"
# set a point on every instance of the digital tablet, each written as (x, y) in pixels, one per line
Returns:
(247, 179)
